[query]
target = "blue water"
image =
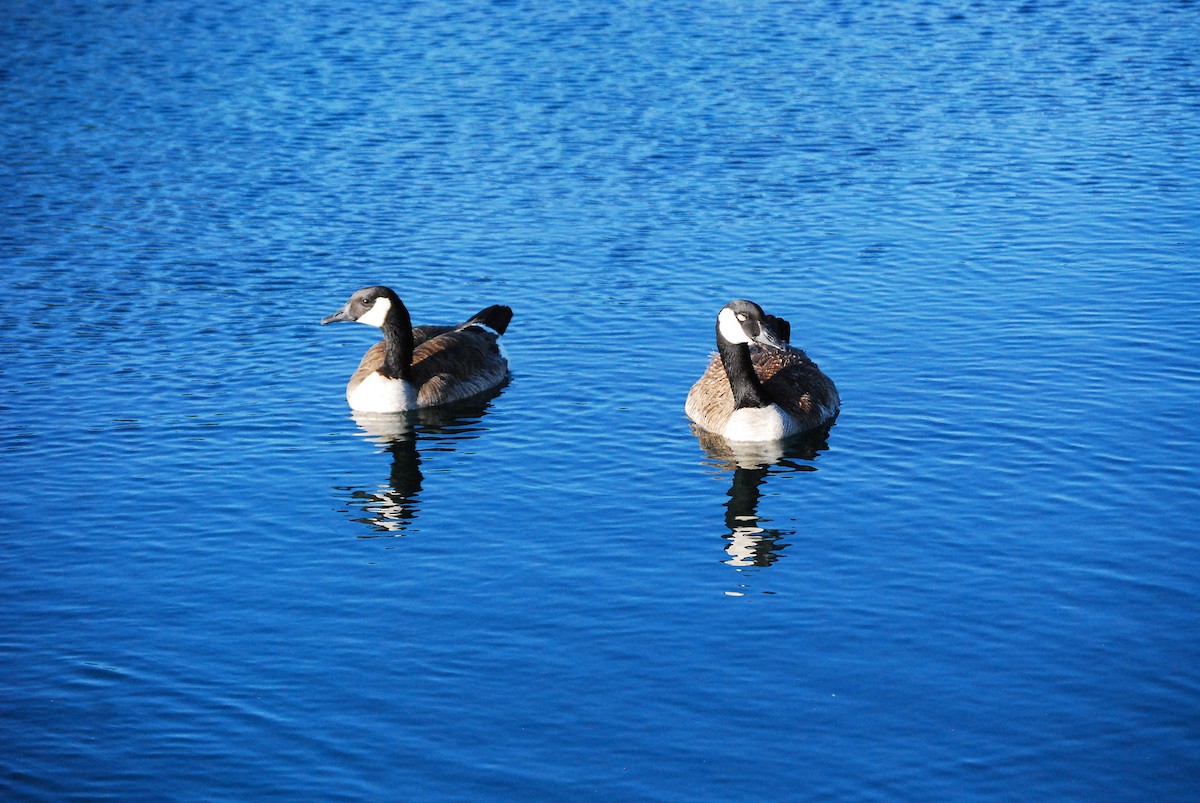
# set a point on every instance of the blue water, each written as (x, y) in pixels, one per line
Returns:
(982, 219)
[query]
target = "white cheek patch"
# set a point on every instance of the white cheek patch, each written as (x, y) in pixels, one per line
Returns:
(730, 327)
(377, 314)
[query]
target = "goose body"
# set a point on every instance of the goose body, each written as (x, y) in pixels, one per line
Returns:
(425, 366)
(757, 387)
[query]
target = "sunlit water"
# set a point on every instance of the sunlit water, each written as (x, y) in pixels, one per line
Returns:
(983, 221)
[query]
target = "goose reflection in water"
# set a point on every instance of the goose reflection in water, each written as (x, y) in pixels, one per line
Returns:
(750, 541)
(391, 508)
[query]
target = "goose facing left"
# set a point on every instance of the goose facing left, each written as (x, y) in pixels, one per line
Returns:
(425, 366)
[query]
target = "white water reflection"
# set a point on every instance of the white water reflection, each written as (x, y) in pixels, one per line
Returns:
(390, 508)
(751, 540)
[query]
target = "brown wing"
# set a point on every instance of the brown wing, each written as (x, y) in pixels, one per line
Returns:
(427, 331)
(456, 365)
(796, 384)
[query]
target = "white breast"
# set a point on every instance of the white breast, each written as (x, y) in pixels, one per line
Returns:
(378, 394)
(768, 423)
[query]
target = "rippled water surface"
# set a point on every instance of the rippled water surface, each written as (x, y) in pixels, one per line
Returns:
(982, 219)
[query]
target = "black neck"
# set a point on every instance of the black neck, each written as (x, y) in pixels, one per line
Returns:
(742, 508)
(747, 390)
(397, 343)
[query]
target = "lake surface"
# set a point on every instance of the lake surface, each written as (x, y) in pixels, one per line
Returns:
(981, 219)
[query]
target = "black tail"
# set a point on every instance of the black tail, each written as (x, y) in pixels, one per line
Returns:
(782, 329)
(495, 317)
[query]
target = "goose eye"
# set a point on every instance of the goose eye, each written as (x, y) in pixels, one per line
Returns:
(363, 301)
(741, 316)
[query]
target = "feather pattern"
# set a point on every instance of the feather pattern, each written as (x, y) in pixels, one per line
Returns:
(781, 372)
(450, 366)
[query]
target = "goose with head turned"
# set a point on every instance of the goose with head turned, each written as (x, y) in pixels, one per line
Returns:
(425, 366)
(757, 386)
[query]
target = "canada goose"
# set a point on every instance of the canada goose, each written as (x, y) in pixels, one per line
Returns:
(757, 387)
(423, 366)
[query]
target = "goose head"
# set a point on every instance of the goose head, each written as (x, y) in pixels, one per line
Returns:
(744, 322)
(370, 306)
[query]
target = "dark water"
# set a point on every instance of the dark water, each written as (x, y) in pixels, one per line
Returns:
(982, 219)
